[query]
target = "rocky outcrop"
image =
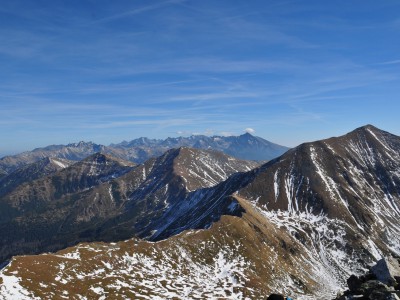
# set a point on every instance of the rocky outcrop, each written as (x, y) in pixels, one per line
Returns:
(382, 282)
(387, 270)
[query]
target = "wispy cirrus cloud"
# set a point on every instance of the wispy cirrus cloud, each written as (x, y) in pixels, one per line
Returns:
(391, 62)
(139, 10)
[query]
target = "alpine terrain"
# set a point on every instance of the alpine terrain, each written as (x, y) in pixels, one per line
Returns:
(206, 225)
(245, 146)
(27, 173)
(105, 198)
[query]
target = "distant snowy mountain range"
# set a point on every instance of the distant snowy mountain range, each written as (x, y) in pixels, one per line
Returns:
(245, 146)
(194, 223)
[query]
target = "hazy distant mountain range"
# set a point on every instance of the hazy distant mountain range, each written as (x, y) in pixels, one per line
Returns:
(245, 146)
(227, 228)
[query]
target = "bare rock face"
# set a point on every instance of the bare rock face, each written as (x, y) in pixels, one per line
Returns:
(387, 270)
(380, 283)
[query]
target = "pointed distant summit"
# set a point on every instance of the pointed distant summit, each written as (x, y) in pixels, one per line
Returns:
(250, 147)
(246, 134)
(370, 126)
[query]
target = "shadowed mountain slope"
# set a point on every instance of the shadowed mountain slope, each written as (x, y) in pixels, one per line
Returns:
(103, 198)
(36, 170)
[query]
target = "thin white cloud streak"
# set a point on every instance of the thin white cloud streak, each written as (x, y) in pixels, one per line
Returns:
(85, 116)
(308, 81)
(214, 96)
(136, 11)
(14, 90)
(266, 34)
(393, 62)
(197, 65)
(67, 45)
(230, 28)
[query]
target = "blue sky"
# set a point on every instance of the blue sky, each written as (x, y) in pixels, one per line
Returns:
(107, 71)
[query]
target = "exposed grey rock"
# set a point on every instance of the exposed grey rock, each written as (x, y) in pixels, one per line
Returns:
(373, 285)
(382, 295)
(378, 284)
(387, 270)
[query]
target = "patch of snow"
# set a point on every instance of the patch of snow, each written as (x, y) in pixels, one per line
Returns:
(72, 255)
(324, 246)
(276, 185)
(59, 163)
(382, 143)
(12, 289)
(330, 184)
(374, 250)
(110, 193)
(98, 290)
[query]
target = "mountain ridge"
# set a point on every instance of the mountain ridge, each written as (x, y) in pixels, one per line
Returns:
(36, 170)
(298, 225)
(345, 221)
(102, 197)
(141, 149)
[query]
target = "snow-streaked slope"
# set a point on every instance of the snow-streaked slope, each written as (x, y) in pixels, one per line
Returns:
(237, 258)
(200, 168)
(353, 178)
(338, 198)
(105, 198)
